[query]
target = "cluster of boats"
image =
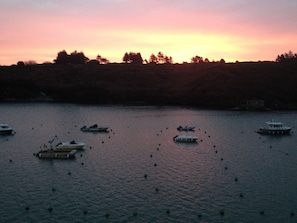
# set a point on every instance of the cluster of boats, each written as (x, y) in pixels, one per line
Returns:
(272, 128)
(63, 150)
(185, 138)
(67, 150)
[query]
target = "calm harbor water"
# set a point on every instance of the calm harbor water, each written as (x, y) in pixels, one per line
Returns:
(231, 175)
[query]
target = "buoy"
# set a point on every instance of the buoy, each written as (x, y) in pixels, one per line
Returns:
(27, 208)
(155, 164)
(69, 173)
(82, 164)
(157, 189)
(222, 212)
(145, 176)
(151, 155)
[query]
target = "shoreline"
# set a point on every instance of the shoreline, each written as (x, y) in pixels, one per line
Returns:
(237, 86)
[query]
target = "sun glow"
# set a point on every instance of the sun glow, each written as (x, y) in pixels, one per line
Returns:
(231, 31)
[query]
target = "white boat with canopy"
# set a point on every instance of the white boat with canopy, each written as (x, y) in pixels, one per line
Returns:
(274, 128)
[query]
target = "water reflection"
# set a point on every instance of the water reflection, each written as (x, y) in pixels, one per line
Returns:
(192, 181)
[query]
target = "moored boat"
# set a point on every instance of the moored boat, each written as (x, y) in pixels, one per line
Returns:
(185, 138)
(68, 146)
(94, 128)
(274, 128)
(186, 128)
(55, 154)
(5, 129)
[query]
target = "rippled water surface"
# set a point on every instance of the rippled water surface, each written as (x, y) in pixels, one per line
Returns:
(137, 173)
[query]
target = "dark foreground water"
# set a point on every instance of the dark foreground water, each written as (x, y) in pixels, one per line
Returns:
(231, 175)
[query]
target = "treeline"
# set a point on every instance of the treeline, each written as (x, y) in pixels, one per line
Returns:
(288, 57)
(130, 58)
(135, 58)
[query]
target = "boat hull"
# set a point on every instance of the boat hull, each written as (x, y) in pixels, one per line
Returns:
(54, 154)
(264, 131)
(94, 129)
(66, 147)
(6, 132)
(182, 138)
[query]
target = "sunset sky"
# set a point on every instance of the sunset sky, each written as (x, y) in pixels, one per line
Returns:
(243, 30)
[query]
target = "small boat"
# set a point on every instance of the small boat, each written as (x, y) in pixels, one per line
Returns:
(55, 154)
(94, 128)
(274, 128)
(5, 129)
(185, 138)
(186, 128)
(68, 146)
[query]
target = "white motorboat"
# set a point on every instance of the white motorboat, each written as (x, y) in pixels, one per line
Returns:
(55, 154)
(68, 146)
(185, 138)
(275, 128)
(94, 128)
(5, 129)
(186, 128)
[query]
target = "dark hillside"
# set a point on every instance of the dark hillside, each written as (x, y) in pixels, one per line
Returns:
(213, 85)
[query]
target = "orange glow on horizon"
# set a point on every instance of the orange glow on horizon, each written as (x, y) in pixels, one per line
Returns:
(182, 30)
